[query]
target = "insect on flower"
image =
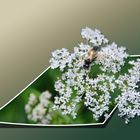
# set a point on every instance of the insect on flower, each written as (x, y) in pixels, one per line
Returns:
(92, 55)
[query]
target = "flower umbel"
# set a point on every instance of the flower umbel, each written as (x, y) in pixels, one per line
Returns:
(76, 85)
(129, 100)
(38, 109)
(112, 58)
(95, 37)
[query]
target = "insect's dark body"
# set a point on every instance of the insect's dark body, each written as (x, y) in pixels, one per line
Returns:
(92, 54)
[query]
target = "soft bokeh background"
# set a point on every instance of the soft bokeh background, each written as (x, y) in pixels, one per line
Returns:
(31, 29)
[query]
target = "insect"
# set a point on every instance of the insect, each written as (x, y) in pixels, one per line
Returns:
(92, 55)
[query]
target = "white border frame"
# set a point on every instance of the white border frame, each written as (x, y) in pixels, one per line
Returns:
(56, 125)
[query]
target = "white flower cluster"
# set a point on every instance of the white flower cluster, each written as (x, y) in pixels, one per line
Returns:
(59, 59)
(129, 100)
(94, 36)
(112, 58)
(38, 108)
(98, 94)
(75, 85)
(62, 58)
(72, 80)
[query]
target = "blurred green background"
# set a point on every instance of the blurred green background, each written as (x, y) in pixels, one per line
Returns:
(31, 29)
